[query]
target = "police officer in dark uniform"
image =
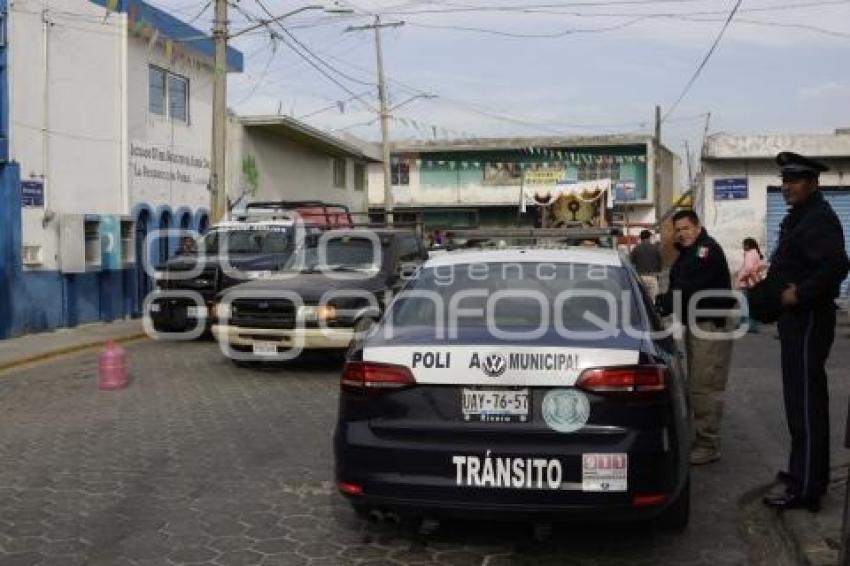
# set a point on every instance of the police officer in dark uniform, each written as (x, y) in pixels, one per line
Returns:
(805, 274)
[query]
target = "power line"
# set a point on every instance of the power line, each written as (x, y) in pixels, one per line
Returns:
(322, 61)
(358, 125)
(522, 7)
(554, 35)
(331, 106)
(764, 23)
(570, 8)
(301, 54)
(704, 60)
(493, 112)
(263, 75)
(200, 13)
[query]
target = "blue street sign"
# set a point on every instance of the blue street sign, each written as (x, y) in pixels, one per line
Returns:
(731, 189)
(32, 193)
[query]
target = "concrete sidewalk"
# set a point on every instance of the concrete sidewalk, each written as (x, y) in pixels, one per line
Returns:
(32, 348)
(816, 538)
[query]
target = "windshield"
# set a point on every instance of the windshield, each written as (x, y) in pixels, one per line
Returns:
(340, 254)
(579, 297)
(248, 240)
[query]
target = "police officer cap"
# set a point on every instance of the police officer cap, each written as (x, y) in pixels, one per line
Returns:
(795, 164)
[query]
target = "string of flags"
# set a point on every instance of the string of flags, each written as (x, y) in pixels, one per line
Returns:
(138, 27)
(558, 157)
(431, 130)
(565, 159)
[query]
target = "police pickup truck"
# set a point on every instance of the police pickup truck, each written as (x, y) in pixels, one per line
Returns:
(319, 299)
(259, 240)
(519, 383)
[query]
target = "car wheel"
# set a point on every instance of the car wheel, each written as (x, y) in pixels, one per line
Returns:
(677, 515)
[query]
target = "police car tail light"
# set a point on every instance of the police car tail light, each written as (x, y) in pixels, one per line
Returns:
(649, 378)
(370, 376)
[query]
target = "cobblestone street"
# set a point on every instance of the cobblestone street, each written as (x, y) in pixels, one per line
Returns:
(201, 462)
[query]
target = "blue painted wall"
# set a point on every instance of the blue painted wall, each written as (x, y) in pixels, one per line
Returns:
(36, 300)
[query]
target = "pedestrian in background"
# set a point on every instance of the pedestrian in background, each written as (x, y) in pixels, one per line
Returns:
(752, 271)
(701, 266)
(187, 246)
(646, 258)
(805, 275)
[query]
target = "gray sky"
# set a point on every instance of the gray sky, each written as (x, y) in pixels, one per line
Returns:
(594, 66)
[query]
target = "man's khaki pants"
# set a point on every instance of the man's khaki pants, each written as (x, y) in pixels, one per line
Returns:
(708, 370)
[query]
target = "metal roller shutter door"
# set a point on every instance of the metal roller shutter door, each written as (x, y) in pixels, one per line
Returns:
(776, 210)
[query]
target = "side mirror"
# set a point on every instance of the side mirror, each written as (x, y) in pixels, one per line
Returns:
(407, 270)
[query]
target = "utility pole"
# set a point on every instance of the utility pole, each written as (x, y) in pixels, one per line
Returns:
(383, 111)
(656, 159)
(690, 170)
(218, 192)
(699, 181)
(219, 117)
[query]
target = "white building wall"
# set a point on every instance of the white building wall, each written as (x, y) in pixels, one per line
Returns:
(287, 169)
(151, 136)
(730, 221)
(79, 62)
(472, 194)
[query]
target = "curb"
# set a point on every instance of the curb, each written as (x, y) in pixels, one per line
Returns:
(768, 538)
(773, 540)
(44, 356)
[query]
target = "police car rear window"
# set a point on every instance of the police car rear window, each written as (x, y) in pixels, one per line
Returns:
(580, 297)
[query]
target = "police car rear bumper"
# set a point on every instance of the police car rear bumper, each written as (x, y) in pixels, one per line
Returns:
(598, 512)
(306, 338)
(401, 476)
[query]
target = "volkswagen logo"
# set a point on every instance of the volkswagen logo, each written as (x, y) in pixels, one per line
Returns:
(494, 365)
(263, 305)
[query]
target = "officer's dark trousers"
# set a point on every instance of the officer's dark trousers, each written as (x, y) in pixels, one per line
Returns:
(807, 337)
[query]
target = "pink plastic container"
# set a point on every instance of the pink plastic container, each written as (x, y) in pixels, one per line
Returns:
(112, 367)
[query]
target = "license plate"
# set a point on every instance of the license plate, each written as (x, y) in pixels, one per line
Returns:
(495, 405)
(196, 311)
(265, 348)
(604, 472)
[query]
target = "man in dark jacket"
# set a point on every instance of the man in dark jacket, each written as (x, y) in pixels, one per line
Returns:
(806, 272)
(647, 261)
(701, 266)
